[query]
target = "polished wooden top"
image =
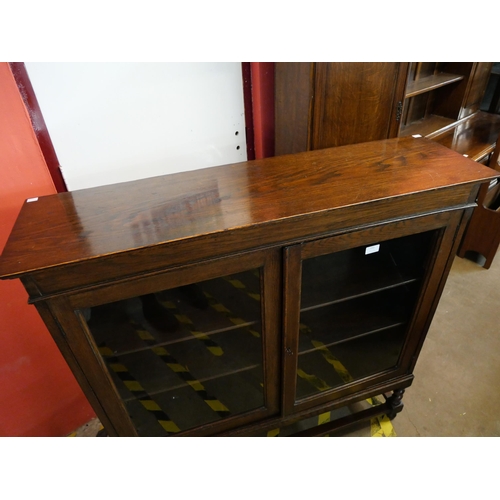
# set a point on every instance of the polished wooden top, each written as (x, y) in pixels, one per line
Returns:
(86, 224)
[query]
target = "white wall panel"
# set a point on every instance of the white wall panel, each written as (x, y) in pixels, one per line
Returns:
(115, 122)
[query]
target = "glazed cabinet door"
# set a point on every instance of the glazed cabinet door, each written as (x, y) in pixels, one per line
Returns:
(356, 306)
(186, 351)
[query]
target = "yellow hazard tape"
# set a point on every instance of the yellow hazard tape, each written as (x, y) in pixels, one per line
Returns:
(150, 405)
(382, 427)
(241, 286)
(216, 405)
(169, 426)
(331, 359)
(181, 370)
(138, 390)
(133, 385)
(221, 309)
(318, 383)
(186, 321)
(324, 418)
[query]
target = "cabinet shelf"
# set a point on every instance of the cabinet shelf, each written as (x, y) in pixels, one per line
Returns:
(342, 322)
(181, 377)
(347, 278)
(333, 278)
(227, 309)
(430, 83)
(129, 341)
(331, 367)
(254, 327)
(166, 391)
(227, 351)
(358, 294)
(430, 126)
(351, 337)
(187, 408)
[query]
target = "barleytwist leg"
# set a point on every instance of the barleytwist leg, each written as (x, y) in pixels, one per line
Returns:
(395, 403)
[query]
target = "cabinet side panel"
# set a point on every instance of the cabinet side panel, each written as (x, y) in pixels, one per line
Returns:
(293, 95)
(73, 364)
(353, 102)
(437, 280)
(477, 88)
(82, 355)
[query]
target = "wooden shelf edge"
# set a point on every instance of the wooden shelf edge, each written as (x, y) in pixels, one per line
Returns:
(429, 127)
(186, 338)
(361, 294)
(390, 326)
(182, 385)
(430, 83)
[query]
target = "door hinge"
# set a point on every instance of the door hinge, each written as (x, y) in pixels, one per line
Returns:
(399, 110)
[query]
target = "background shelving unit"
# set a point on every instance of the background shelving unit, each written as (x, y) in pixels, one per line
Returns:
(321, 105)
(443, 102)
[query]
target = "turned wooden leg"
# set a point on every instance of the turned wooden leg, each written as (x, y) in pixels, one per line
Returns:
(395, 403)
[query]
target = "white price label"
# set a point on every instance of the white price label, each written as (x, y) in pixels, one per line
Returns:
(372, 249)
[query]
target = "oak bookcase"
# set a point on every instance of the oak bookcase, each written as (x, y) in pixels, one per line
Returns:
(239, 299)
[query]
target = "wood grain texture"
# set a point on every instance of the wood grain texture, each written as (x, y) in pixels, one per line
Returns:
(293, 96)
(354, 102)
(178, 209)
(476, 89)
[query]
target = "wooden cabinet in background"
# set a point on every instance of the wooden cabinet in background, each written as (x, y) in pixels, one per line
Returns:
(241, 299)
(483, 232)
(321, 105)
(442, 102)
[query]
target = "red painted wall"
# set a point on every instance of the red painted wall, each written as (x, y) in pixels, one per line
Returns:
(38, 394)
(263, 108)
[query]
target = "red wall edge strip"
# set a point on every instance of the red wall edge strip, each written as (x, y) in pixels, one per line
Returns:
(262, 75)
(42, 134)
(248, 107)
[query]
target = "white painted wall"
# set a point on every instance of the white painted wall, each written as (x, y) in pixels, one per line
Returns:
(115, 122)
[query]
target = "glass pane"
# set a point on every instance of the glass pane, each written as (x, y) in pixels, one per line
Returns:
(355, 308)
(185, 357)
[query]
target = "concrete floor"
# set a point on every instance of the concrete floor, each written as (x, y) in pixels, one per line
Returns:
(457, 377)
